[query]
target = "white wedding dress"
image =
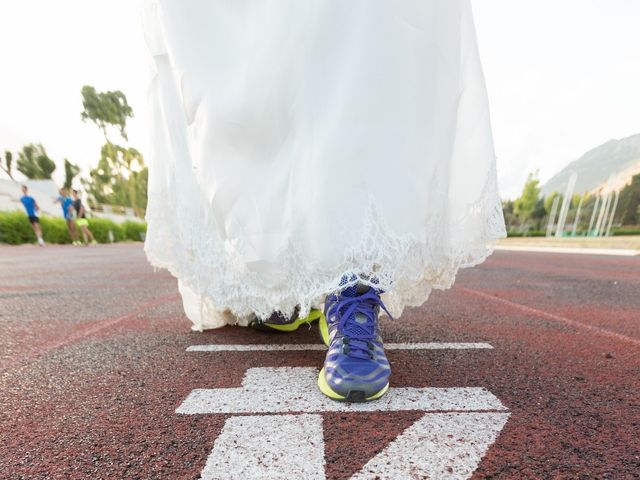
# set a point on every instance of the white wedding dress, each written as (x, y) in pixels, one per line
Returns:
(296, 141)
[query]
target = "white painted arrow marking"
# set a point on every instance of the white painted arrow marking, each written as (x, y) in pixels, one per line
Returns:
(439, 445)
(286, 447)
(293, 389)
(320, 347)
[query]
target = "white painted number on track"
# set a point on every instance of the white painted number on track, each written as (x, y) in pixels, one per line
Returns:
(291, 444)
(293, 389)
(268, 446)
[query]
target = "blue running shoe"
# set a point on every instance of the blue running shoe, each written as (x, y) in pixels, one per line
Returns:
(355, 368)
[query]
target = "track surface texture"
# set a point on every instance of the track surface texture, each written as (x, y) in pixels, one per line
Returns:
(94, 365)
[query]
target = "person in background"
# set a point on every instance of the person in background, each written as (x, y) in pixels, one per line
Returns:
(81, 219)
(68, 212)
(32, 208)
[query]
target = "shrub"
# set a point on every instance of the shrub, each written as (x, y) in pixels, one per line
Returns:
(100, 228)
(54, 230)
(631, 230)
(15, 228)
(530, 233)
(135, 231)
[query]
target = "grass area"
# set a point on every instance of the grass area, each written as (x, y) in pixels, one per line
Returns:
(15, 229)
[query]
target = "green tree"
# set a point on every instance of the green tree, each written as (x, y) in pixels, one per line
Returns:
(70, 171)
(120, 178)
(106, 108)
(629, 203)
(549, 199)
(588, 205)
(526, 203)
(7, 166)
(507, 211)
(34, 163)
(575, 200)
(539, 212)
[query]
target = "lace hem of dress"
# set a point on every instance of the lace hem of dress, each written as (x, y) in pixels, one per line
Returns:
(216, 292)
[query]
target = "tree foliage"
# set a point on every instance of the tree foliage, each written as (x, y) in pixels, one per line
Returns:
(530, 212)
(507, 210)
(70, 171)
(525, 205)
(34, 163)
(7, 163)
(629, 203)
(575, 200)
(106, 108)
(549, 199)
(539, 211)
(120, 177)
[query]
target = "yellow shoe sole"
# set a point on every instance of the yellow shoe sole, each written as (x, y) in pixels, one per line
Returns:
(313, 316)
(328, 391)
(324, 330)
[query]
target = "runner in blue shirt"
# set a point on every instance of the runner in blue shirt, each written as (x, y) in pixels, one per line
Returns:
(69, 213)
(32, 208)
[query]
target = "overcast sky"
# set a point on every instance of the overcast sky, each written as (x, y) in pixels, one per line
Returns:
(563, 76)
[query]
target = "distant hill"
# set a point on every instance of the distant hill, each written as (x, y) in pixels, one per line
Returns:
(615, 161)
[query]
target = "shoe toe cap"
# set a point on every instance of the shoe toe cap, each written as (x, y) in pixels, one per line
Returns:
(345, 381)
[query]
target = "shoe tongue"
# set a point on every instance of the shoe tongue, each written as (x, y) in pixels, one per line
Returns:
(360, 325)
(360, 319)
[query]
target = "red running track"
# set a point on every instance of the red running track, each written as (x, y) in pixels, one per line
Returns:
(93, 365)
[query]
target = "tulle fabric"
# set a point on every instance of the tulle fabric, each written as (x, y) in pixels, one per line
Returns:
(298, 141)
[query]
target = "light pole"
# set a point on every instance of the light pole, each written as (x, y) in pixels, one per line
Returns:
(593, 215)
(552, 216)
(566, 203)
(613, 212)
(577, 219)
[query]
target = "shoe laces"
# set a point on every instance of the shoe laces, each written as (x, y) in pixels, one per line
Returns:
(357, 322)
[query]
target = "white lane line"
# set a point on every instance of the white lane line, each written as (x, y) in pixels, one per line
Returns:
(293, 389)
(622, 252)
(439, 445)
(317, 346)
(268, 446)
